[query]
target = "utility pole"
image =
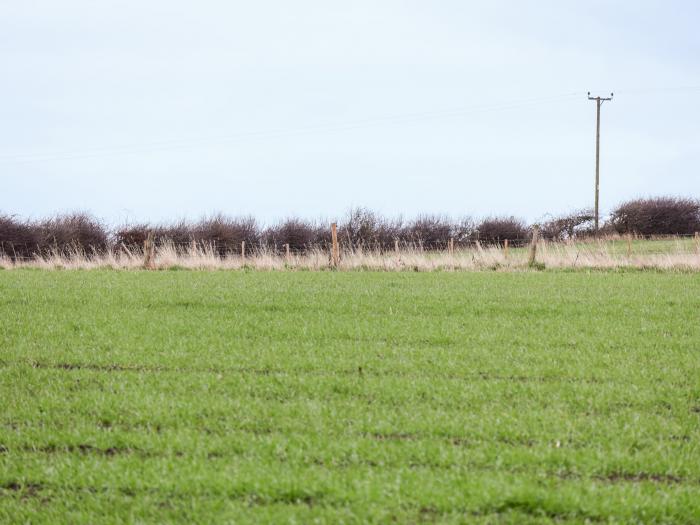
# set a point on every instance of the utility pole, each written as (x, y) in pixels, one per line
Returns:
(599, 102)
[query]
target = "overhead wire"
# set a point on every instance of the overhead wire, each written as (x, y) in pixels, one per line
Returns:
(197, 142)
(175, 144)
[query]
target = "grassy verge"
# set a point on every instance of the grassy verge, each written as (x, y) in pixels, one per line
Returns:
(677, 253)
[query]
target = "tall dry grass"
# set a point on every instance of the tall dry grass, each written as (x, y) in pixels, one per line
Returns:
(596, 254)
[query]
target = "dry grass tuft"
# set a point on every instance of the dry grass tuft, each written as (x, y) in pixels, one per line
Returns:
(604, 254)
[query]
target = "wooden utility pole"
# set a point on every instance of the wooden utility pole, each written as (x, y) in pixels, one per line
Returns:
(599, 102)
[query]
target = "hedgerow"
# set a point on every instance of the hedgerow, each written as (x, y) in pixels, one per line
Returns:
(360, 229)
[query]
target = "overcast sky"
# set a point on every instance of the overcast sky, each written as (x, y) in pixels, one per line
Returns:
(163, 109)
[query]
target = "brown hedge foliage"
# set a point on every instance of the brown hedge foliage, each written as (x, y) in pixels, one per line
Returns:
(576, 224)
(363, 228)
(359, 229)
(225, 234)
(72, 233)
(298, 233)
(657, 216)
(132, 237)
(497, 229)
(428, 231)
(18, 239)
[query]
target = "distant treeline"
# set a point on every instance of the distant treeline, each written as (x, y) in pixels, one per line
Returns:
(359, 229)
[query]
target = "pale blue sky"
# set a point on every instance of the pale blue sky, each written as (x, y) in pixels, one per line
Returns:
(154, 110)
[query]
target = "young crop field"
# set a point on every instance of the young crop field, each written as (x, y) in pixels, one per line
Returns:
(296, 396)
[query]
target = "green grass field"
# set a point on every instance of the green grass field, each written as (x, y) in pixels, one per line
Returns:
(644, 246)
(180, 396)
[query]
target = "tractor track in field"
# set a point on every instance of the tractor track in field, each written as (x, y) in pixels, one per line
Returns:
(362, 371)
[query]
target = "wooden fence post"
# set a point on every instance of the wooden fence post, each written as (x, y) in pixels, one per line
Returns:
(242, 249)
(396, 245)
(287, 253)
(697, 243)
(533, 245)
(505, 249)
(149, 252)
(629, 245)
(335, 254)
(451, 246)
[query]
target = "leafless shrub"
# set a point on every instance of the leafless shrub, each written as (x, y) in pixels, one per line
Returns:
(363, 228)
(464, 229)
(178, 233)
(225, 234)
(72, 233)
(428, 231)
(298, 233)
(657, 216)
(565, 227)
(132, 237)
(497, 229)
(222, 234)
(18, 239)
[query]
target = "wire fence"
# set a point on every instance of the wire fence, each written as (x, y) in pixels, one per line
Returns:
(611, 245)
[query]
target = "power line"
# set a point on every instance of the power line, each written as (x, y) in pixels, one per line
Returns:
(642, 91)
(194, 142)
(282, 133)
